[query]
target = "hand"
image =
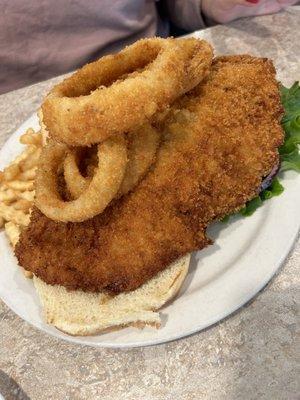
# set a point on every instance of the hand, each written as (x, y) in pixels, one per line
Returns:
(223, 11)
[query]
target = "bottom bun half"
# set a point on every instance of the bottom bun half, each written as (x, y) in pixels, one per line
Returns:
(82, 313)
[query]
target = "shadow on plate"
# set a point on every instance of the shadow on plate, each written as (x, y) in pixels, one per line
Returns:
(198, 257)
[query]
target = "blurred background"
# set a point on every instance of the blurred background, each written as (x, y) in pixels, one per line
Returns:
(40, 39)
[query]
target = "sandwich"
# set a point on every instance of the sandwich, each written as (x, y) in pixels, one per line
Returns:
(218, 149)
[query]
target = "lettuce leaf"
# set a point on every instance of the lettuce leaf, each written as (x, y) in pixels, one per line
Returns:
(275, 189)
(291, 161)
(290, 99)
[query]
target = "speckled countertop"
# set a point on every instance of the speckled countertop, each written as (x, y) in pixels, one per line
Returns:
(250, 355)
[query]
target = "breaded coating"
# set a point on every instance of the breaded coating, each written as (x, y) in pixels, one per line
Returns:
(219, 141)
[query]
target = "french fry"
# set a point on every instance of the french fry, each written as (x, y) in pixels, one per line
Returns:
(31, 161)
(11, 215)
(20, 185)
(26, 153)
(11, 172)
(13, 232)
(8, 196)
(17, 188)
(22, 205)
(28, 174)
(31, 138)
(27, 195)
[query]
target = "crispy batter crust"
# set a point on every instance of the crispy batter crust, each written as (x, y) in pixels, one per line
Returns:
(158, 72)
(218, 143)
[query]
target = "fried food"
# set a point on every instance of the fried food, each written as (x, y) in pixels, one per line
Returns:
(17, 187)
(163, 68)
(119, 92)
(76, 183)
(112, 160)
(30, 137)
(142, 146)
(13, 232)
(218, 144)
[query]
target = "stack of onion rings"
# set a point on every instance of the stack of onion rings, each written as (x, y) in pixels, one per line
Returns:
(112, 103)
(112, 160)
(92, 104)
(142, 147)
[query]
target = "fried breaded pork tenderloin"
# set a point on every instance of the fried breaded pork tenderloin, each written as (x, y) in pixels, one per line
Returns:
(219, 142)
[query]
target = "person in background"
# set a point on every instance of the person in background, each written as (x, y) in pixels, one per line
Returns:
(40, 39)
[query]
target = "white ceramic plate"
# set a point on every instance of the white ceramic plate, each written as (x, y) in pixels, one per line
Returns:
(246, 254)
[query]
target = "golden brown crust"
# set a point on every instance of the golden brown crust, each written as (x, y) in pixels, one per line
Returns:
(218, 143)
(158, 72)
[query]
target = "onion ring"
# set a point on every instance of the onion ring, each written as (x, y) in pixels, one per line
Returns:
(143, 144)
(201, 55)
(119, 92)
(112, 160)
(142, 147)
(76, 183)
